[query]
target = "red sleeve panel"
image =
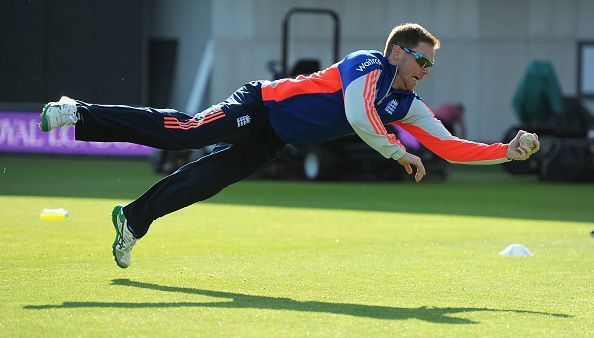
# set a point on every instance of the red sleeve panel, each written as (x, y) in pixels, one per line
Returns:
(422, 124)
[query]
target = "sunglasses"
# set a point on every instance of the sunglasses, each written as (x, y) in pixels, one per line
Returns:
(422, 60)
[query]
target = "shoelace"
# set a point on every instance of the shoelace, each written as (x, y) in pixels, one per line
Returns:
(126, 244)
(64, 115)
(126, 240)
(70, 116)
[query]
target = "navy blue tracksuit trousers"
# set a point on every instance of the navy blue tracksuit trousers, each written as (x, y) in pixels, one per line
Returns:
(239, 126)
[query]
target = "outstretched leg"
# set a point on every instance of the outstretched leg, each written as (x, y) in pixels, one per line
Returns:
(195, 182)
(229, 121)
(159, 128)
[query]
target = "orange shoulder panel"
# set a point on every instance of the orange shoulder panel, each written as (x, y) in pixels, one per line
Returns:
(323, 82)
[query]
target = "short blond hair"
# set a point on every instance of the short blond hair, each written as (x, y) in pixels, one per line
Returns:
(409, 35)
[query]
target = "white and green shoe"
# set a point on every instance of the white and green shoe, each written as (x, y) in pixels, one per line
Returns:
(58, 114)
(124, 240)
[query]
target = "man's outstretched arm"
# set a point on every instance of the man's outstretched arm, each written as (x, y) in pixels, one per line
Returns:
(423, 125)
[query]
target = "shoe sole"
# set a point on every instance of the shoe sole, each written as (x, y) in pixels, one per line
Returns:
(44, 125)
(114, 220)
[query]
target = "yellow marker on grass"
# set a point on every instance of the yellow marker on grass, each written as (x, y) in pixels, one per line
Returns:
(53, 214)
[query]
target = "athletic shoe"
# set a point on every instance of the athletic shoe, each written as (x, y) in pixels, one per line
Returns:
(58, 114)
(124, 240)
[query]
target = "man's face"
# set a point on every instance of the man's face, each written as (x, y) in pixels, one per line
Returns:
(410, 72)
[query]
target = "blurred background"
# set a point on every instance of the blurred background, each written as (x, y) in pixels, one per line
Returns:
(504, 65)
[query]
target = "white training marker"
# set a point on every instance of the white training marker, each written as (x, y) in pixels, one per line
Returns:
(516, 250)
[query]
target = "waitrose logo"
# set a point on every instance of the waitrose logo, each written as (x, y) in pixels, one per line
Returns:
(368, 63)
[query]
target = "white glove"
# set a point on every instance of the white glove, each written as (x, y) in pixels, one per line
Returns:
(522, 146)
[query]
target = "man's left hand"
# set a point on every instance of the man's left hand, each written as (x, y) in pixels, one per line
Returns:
(409, 160)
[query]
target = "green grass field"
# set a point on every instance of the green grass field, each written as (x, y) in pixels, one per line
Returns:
(272, 258)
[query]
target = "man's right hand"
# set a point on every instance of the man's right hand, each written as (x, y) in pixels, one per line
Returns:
(409, 159)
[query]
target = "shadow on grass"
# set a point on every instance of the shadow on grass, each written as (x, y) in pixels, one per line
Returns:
(242, 301)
